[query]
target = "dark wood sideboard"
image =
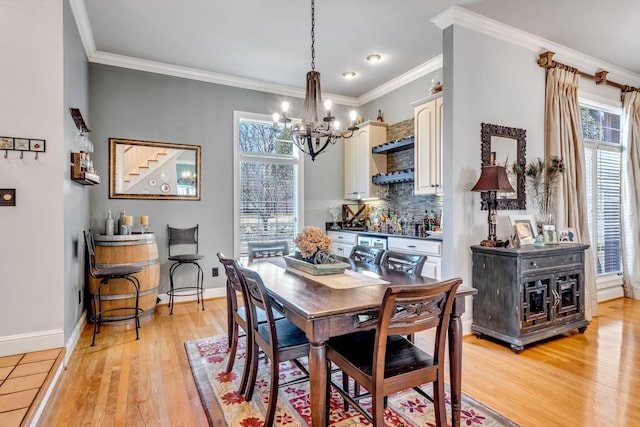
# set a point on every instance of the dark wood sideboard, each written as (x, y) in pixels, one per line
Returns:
(529, 294)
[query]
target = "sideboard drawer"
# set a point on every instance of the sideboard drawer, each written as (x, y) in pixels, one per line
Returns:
(530, 264)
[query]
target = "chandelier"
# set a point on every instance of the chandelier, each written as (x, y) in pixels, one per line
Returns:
(311, 135)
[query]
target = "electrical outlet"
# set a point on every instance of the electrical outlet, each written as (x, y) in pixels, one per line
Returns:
(214, 271)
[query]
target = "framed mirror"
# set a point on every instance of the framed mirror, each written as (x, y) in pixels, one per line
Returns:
(153, 170)
(505, 146)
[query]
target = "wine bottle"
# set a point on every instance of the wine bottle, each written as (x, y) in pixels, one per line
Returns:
(109, 225)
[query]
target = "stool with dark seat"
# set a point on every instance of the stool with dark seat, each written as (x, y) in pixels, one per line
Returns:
(184, 239)
(104, 275)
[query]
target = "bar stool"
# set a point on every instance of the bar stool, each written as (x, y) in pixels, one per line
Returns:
(181, 238)
(125, 272)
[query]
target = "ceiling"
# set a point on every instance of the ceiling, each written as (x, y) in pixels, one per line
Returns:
(269, 42)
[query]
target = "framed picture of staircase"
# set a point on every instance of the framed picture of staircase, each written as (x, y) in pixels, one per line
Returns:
(153, 170)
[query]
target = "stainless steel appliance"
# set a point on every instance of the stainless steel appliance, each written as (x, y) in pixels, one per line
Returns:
(373, 241)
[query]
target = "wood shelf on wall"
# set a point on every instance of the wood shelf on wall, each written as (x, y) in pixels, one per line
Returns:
(394, 146)
(80, 176)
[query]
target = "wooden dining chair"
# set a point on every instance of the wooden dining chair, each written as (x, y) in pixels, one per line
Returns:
(366, 254)
(267, 249)
(237, 318)
(384, 362)
(280, 340)
(403, 262)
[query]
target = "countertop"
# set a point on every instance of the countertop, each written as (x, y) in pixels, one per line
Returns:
(433, 236)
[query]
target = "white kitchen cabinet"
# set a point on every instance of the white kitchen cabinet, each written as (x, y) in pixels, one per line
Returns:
(360, 164)
(431, 248)
(342, 242)
(428, 146)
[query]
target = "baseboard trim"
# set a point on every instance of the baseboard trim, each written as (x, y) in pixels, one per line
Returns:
(28, 343)
(610, 293)
(208, 294)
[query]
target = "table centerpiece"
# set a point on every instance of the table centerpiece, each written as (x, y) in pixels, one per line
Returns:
(314, 254)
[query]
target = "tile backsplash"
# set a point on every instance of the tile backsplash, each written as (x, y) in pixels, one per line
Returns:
(399, 198)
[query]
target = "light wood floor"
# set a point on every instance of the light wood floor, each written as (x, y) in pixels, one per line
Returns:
(575, 380)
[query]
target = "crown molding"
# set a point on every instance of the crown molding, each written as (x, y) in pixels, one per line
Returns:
(411, 75)
(457, 15)
(84, 28)
(95, 56)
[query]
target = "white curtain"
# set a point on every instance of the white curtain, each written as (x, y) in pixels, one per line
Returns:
(563, 138)
(630, 175)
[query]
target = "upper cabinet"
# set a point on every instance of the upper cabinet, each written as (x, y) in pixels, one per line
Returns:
(360, 164)
(428, 146)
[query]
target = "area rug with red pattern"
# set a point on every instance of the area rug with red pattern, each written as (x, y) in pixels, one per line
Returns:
(225, 406)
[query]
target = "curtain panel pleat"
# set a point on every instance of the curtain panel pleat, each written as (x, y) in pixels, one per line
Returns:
(563, 138)
(630, 188)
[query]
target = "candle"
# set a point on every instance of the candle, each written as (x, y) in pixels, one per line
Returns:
(128, 221)
(144, 220)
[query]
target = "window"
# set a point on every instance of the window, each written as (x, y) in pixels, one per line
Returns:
(268, 182)
(601, 128)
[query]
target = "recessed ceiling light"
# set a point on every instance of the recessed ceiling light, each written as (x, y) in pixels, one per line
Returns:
(349, 74)
(373, 58)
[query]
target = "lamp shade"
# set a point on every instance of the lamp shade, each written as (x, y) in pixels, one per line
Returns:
(493, 178)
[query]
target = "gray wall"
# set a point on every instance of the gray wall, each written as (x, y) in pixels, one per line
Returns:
(144, 106)
(76, 197)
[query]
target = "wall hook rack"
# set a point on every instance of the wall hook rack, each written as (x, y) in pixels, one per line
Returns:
(8, 143)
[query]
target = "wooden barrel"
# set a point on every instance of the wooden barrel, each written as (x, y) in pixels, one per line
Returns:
(140, 250)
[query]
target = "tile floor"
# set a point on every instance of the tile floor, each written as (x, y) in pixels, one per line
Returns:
(22, 377)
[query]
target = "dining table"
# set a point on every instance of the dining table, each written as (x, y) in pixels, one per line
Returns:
(323, 311)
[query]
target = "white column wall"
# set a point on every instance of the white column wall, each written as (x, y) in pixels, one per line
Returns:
(31, 233)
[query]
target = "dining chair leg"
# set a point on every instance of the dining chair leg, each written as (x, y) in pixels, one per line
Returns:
(327, 409)
(377, 408)
(230, 321)
(233, 346)
(438, 401)
(248, 362)
(253, 372)
(345, 387)
(273, 393)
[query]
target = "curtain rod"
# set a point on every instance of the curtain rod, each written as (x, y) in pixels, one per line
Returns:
(546, 61)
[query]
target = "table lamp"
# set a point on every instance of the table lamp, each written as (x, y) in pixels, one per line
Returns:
(492, 179)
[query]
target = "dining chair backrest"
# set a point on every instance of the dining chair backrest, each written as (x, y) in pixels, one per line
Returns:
(403, 262)
(183, 239)
(233, 281)
(267, 249)
(230, 271)
(257, 298)
(409, 309)
(366, 254)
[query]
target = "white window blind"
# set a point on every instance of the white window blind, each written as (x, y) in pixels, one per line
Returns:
(602, 154)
